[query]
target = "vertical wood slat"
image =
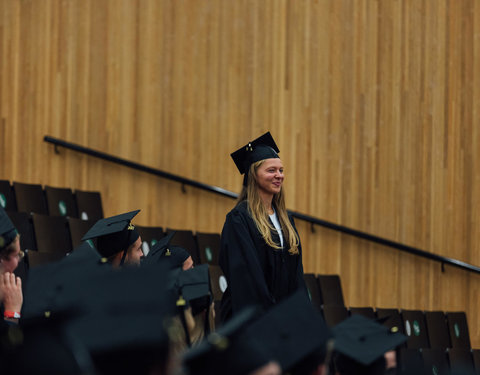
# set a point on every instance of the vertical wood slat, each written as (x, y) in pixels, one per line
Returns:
(374, 104)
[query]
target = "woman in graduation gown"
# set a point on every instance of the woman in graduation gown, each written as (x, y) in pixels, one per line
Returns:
(260, 254)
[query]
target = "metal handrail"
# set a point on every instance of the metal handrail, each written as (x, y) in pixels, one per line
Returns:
(226, 193)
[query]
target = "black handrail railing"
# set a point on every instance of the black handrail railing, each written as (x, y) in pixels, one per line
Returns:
(218, 190)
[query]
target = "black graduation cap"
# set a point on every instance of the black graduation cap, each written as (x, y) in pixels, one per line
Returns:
(293, 331)
(228, 350)
(264, 147)
(125, 309)
(164, 251)
(39, 347)
(113, 234)
(193, 288)
(364, 340)
(53, 287)
(7, 229)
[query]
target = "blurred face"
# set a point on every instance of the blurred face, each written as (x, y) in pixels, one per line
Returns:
(134, 252)
(270, 176)
(10, 262)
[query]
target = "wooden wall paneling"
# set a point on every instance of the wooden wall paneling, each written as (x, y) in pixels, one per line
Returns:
(374, 105)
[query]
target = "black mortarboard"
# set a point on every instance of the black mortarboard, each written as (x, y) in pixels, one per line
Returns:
(164, 251)
(52, 287)
(364, 340)
(193, 287)
(228, 350)
(7, 230)
(264, 147)
(114, 234)
(293, 331)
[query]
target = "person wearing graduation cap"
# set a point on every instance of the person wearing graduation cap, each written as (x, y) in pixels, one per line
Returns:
(260, 254)
(230, 350)
(117, 239)
(361, 344)
(10, 254)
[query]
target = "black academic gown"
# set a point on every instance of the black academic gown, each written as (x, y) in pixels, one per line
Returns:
(257, 274)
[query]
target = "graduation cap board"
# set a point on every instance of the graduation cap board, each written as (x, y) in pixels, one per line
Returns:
(164, 251)
(293, 330)
(264, 147)
(7, 230)
(228, 350)
(364, 340)
(53, 287)
(114, 234)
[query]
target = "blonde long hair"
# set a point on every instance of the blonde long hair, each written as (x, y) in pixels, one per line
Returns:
(259, 213)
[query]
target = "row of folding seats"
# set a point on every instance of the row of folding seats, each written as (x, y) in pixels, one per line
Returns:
(33, 198)
(49, 237)
(429, 329)
(438, 361)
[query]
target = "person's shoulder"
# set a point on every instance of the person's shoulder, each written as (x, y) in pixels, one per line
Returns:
(240, 210)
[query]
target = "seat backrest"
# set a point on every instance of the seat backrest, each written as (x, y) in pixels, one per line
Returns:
(334, 314)
(7, 197)
(476, 360)
(461, 361)
(78, 228)
(415, 329)
(410, 362)
(208, 245)
(391, 318)
(185, 239)
(367, 312)
(61, 202)
(150, 236)
(30, 198)
(89, 204)
(313, 290)
(331, 290)
(437, 329)
(52, 234)
(37, 258)
(218, 282)
(435, 361)
(24, 224)
(458, 328)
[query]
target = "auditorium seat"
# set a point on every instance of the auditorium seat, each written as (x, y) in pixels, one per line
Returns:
(38, 258)
(52, 234)
(208, 245)
(30, 198)
(435, 361)
(410, 362)
(392, 319)
(461, 361)
(78, 228)
(334, 314)
(218, 282)
(185, 239)
(476, 360)
(437, 329)
(313, 290)
(60, 202)
(7, 197)
(458, 328)
(415, 329)
(367, 312)
(24, 224)
(331, 290)
(150, 236)
(89, 204)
